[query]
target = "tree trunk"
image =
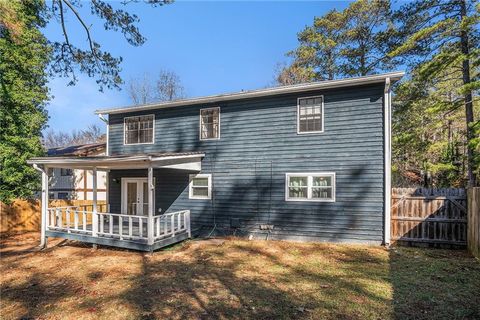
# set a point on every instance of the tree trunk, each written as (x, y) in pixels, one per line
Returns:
(468, 101)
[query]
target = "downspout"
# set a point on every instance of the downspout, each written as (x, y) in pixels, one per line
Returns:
(388, 158)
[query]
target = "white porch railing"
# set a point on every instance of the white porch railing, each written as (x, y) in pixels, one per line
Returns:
(119, 226)
(167, 225)
(123, 226)
(70, 219)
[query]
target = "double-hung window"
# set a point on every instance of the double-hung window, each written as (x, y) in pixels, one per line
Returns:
(310, 187)
(139, 129)
(310, 115)
(210, 123)
(200, 186)
(64, 172)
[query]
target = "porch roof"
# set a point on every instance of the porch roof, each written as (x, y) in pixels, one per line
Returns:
(175, 160)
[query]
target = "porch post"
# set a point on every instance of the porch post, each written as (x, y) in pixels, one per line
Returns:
(94, 198)
(151, 195)
(43, 238)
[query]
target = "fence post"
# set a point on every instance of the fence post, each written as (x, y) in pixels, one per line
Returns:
(473, 221)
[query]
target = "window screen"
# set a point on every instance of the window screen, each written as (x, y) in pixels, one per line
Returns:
(310, 113)
(139, 129)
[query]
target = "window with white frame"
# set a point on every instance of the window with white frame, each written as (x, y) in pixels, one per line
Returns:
(210, 123)
(200, 186)
(66, 172)
(310, 187)
(310, 115)
(139, 129)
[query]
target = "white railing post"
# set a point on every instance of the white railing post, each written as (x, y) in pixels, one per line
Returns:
(189, 230)
(151, 195)
(43, 238)
(95, 213)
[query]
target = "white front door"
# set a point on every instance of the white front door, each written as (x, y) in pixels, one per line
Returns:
(135, 196)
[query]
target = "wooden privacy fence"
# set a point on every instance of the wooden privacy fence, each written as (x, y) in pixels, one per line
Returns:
(430, 216)
(24, 215)
(474, 221)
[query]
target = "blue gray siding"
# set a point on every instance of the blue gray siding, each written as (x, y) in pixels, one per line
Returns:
(259, 144)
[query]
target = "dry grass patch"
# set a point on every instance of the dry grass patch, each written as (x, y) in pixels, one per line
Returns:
(236, 279)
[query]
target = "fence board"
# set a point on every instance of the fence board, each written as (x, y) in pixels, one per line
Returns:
(24, 215)
(474, 221)
(430, 216)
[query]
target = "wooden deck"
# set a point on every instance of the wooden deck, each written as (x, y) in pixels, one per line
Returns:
(119, 230)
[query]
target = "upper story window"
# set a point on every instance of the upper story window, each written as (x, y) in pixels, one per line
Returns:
(66, 172)
(210, 123)
(139, 129)
(310, 115)
(318, 187)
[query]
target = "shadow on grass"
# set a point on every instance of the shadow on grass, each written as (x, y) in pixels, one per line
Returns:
(434, 284)
(243, 280)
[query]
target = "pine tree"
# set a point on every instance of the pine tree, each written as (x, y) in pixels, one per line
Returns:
(341, 44)
(440, 40)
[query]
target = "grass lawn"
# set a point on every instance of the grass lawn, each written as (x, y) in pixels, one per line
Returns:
(236, 279)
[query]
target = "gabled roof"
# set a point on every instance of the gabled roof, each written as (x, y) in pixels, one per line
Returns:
(328, 84)
(78, 150)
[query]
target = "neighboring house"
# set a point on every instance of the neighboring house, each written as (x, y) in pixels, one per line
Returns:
(303, 162)
(76, 184)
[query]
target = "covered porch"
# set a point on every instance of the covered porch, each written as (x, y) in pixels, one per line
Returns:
(136, 225)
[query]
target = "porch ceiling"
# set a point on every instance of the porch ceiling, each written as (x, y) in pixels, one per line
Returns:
(175, 160)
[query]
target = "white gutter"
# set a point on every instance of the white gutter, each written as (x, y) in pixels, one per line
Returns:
(388, 158)
(394, 76)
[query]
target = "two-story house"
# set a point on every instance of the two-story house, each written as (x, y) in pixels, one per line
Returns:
(302, 162)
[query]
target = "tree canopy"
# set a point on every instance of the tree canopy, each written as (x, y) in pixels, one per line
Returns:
(341, 44)
(24, 56)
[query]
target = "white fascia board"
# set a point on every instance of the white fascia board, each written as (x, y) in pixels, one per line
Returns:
(115, 162)
(394, 76)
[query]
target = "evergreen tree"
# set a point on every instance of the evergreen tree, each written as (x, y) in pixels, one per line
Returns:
(24, 56)
(439, 39)
(339, 44)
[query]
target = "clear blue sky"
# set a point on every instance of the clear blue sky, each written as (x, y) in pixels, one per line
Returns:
(214, 47)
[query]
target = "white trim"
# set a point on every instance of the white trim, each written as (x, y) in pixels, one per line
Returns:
(116, 162)
(310, 176)
(200, 124)
(107, 151)
(298, 115)
(379, 78)
(123, 198)
(151, 205)
(190, 186)
(153, 130)
(388, 158)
